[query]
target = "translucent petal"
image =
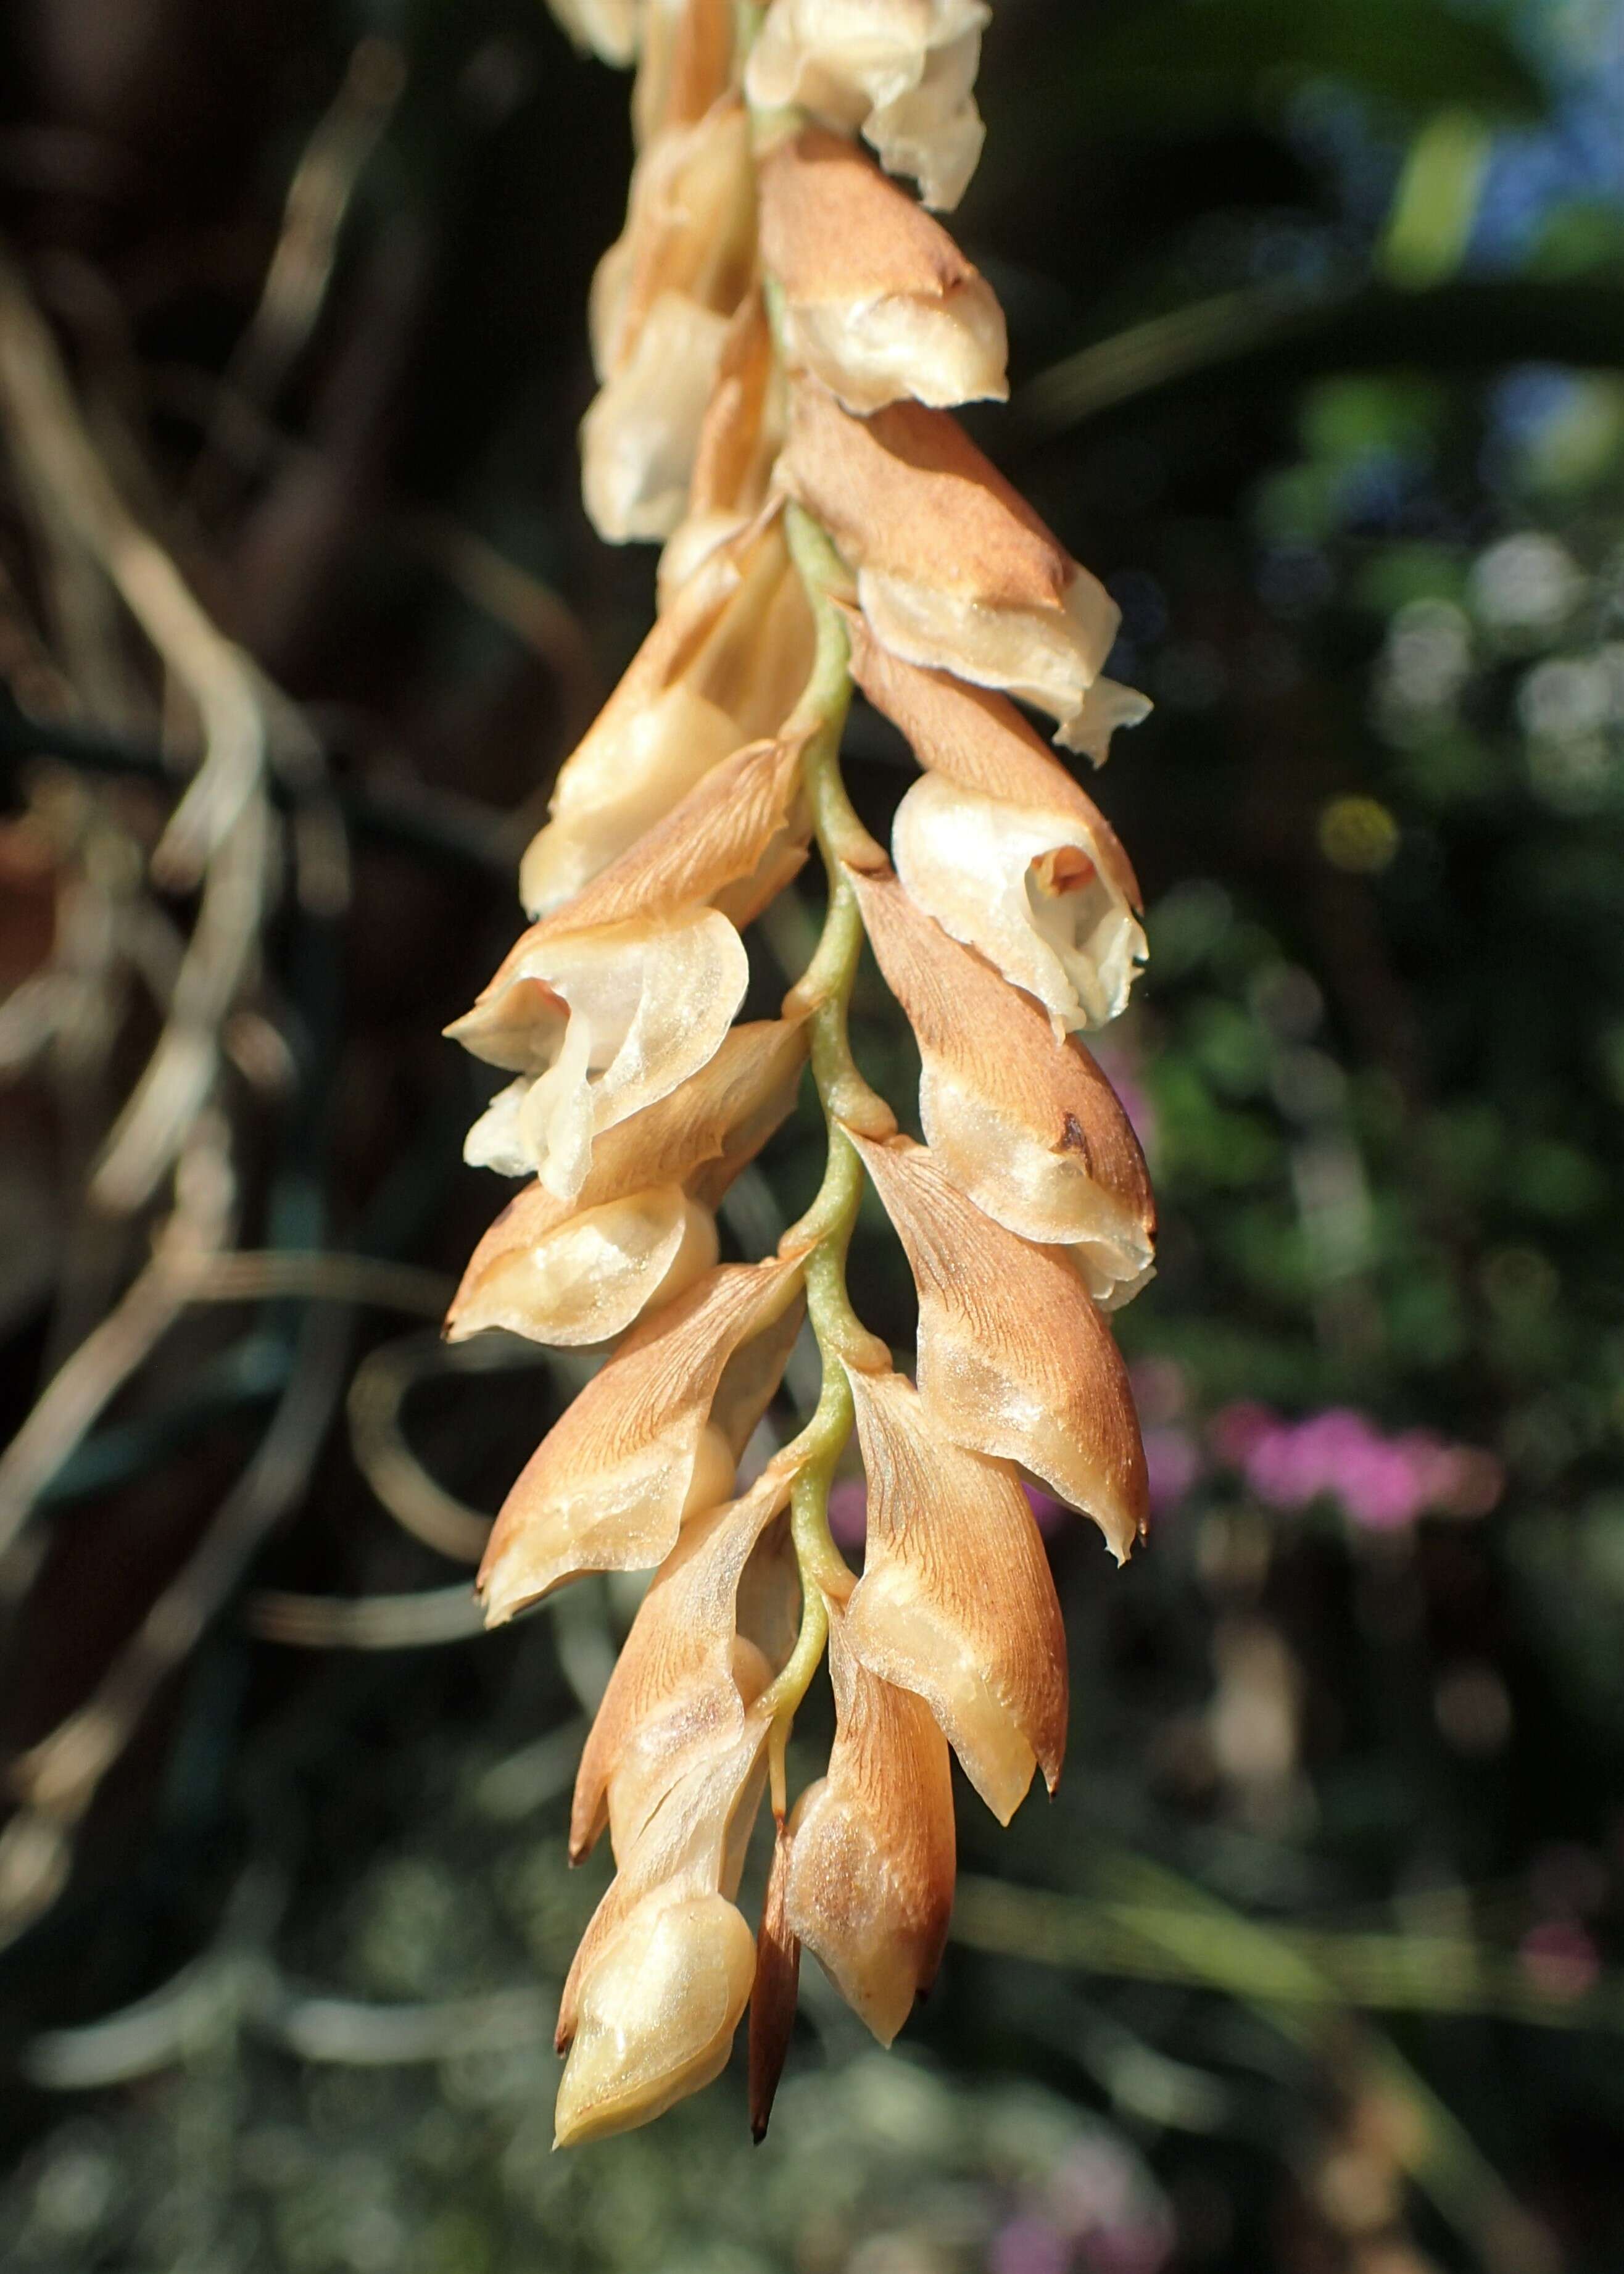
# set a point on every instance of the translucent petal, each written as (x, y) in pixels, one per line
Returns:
(584, 1278)
(639, 438)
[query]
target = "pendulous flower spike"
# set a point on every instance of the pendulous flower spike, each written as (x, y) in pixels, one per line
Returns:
(1014, 1359)
(778, 334)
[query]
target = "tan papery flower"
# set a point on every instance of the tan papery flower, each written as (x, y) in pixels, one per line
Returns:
(655, 1436)
(954, 570)
(876, 299)
(661, 302)
(901, 71)
(871, 1861)
(1014, 1359)
(1003, 847)
(597, 1025)
(688, 1670)
(642, 1227)
(722, 667)
(1021, 1120)
(956, 1601)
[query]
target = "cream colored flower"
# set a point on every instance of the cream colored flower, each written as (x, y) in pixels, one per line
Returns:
(902, 71)
(723, 666)
(661, 302)
(656, 2016)
(597, 1025)
(871, 1861)
(877, 301)
(1014, 1359)
(954, 570)
(655, 1436)
(956, 1601)
(640, 1230)
(1002, 847)
(1021, 1120)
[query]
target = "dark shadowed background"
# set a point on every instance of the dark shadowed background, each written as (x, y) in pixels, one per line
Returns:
(1317, 312)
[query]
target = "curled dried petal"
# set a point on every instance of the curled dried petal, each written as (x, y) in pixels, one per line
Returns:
(902, 71)
(588, 1275)
(1020, 1120)
(740, 834)
(1014, 1359)
(878, 302)
(723, 666)
(654, 1436)
(871, 1867)
(646, 1007)
(953, 568)
(657, 2015)
(956, 1601)
(690, 232)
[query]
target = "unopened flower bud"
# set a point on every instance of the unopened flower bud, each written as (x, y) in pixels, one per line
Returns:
(657, 2015)
(902, 71)
(878, 300)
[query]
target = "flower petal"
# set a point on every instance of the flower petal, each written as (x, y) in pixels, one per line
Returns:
(648, 1006)
(1014, 1360)
(685, 65)
(657, 2015)
(684, 1675)
(901, 70)
(871, 1865)
(737, 826)
(641, 434)
(654, 1435)
(740, 439)
(588, 1275)
(953, 567)
(956, 1601)
(878, 302)
(1020, 1120)
(723, 666)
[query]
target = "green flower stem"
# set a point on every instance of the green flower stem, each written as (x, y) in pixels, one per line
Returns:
(823, 1234)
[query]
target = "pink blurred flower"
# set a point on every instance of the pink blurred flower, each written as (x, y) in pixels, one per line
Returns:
(1029, 2246)
(1560, 1958)
(1174, 1460)
(1383, 1483)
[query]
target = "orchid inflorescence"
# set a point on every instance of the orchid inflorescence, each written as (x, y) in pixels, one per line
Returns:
(779, 333)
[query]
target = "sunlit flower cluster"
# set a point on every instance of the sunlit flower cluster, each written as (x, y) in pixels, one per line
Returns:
(780, 334)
